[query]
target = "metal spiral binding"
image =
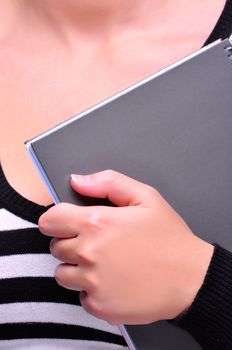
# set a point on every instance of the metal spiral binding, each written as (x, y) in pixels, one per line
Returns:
(228, 48)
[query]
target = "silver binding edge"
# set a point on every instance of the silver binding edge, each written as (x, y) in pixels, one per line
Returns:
(228, 47)
(230, 39)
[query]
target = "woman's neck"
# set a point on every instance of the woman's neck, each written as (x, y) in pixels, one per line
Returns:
(89, 17)
(91, 14)
(105, 19)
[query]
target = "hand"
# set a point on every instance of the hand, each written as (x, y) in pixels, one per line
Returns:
(135, 263)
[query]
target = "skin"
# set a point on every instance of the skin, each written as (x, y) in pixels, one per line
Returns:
(49, 58)
(139, 253)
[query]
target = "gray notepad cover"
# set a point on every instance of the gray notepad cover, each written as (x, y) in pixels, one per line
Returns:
(175, 133)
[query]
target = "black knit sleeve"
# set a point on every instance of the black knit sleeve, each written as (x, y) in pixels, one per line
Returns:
(209, 319)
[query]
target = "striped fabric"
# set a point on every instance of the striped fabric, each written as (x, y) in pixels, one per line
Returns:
(35, 312)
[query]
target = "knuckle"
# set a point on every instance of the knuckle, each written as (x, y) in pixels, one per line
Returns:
(111, 176)
(90, 282)
(151, 191)
(87, 254)
(95, 220)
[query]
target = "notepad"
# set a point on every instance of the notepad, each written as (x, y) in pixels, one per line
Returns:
(173, 131)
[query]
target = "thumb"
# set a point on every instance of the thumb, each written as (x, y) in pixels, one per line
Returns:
(118, 188)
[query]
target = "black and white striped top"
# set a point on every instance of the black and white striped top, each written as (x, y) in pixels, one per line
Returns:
(35, 312)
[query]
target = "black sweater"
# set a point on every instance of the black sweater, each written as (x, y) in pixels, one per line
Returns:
(209, 319)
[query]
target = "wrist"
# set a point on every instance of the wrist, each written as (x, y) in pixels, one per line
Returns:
(199, 261)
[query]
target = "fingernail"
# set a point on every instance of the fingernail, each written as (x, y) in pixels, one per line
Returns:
(42, 224)
(80, 179)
